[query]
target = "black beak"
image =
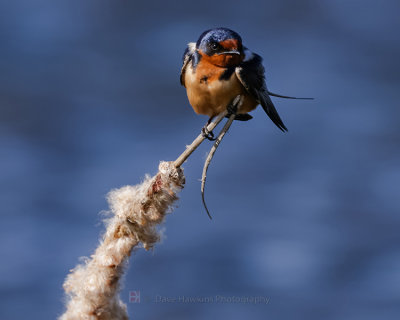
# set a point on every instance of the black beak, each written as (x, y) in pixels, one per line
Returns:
(230, 52)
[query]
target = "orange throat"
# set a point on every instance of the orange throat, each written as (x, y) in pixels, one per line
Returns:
(222, 60)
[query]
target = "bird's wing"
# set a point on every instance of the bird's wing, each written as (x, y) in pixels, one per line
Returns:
(187, 57)
(251, 74)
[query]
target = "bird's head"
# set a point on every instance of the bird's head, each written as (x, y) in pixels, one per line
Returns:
(221, 47)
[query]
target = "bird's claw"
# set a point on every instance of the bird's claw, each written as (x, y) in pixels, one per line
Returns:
(209, 135)
(232, 108)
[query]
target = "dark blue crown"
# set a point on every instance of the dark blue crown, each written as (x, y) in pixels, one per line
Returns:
(217, 35)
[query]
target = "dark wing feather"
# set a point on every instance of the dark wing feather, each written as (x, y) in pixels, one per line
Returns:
(251, 74)
(187, 57)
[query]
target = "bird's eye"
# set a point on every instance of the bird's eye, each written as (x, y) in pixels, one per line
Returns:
(214, 46)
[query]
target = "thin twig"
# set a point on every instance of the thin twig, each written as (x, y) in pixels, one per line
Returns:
(236, 104)
(189, 149)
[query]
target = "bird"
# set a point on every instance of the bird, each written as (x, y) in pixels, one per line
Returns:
(217, 68)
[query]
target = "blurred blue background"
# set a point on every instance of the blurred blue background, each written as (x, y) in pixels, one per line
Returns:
(90, 100)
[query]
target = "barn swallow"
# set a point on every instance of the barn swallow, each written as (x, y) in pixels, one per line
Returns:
(217, 68)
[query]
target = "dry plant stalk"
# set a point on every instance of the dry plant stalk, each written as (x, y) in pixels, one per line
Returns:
(200, 138)
(92, 287)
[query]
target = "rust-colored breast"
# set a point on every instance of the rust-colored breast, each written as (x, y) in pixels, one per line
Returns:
(208, 94)
(207, 71)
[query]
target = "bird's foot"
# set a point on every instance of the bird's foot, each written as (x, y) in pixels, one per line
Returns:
(232, 109)
(209, 135)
